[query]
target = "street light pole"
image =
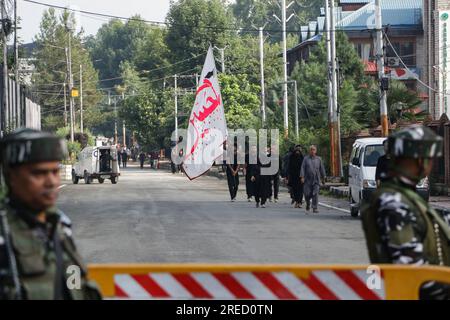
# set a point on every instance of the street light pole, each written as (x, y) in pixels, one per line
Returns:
(285, 72)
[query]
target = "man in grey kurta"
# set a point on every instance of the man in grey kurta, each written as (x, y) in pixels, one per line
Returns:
(312, 175)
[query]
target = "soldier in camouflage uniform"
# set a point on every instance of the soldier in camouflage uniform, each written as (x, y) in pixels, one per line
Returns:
(38, 258)
(400, 227)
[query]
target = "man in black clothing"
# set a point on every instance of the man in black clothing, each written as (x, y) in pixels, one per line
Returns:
(124, 157)
(294, 181)
(233, 176)
(262, 184)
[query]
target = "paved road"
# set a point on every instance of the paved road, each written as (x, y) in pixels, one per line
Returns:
(154, 216)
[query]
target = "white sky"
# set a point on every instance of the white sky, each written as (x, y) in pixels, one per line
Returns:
(31, 14)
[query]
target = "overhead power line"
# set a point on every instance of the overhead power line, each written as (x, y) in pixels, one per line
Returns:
(160, 23)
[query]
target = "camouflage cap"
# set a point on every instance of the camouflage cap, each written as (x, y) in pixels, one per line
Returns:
(415, 142)
(31, 146)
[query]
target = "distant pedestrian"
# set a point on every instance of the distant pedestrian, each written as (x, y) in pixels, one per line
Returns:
(142, 157)
(275, 183)
(124, 157)
(261, 183)
(293, 172)
(313, 175)
(233, 176)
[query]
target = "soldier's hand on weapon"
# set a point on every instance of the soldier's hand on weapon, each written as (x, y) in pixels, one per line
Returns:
(253, 179)
(302, 180)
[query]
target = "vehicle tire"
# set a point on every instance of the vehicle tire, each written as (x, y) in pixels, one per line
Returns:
(101, 180)
(75, 179)
(87, 178)
(114, 180)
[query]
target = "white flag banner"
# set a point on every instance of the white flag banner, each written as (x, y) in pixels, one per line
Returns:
(207, 129)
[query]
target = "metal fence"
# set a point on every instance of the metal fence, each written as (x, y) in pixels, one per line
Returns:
(19, 109)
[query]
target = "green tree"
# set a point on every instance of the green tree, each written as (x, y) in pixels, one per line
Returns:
(400, 101)
(241, 101)
(135, 42)
(194, 25)
(51, 70)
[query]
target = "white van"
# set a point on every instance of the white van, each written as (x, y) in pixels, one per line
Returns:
(362, 169)
(97, 163)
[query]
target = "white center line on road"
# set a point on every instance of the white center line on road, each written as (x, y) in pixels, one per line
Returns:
(334, 208)
(60, 187)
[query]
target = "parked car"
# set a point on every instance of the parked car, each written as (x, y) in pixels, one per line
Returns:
(362, 168)
(97, 163)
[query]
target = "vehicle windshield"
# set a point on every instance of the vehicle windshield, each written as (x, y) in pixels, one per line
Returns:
(372, 154)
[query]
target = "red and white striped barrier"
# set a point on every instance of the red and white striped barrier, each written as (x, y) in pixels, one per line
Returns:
(318, 285)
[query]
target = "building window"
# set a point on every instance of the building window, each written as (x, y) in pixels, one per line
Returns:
(406, 51)
(363, 50)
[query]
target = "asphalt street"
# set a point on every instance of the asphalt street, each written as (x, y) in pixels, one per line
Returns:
(154, 216)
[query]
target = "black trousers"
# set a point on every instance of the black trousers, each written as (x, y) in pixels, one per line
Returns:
(276, 185)
(233, 184)
(262, 189)
(142, 164)
(249, 186)
(297, 190)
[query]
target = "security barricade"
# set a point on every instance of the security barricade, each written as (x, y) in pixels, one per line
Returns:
(264, 282)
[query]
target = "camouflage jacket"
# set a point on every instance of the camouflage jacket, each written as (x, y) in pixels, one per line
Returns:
(401, 228)
(48, 265)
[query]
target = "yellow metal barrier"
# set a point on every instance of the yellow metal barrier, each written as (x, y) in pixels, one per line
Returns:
(203, 281)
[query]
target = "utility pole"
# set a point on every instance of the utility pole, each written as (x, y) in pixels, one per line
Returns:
(381, 76)
(335, 126)
(297, 133)
(5, 105)
(115, 122)
(81, 98)
(70, 76)
(283, 22)
(65, 105)
(330, 85)
(124, 132)
(222, 57)
(263, 85)
(16, 60)
(176, 108)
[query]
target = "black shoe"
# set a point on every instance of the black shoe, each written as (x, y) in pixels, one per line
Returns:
(308, 207)
(257, 204)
